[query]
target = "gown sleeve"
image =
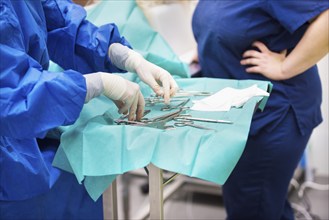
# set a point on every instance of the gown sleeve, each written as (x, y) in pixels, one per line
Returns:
(74, 42)
(33, 100)
(294, 14)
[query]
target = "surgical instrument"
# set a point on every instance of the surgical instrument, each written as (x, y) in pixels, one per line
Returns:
(180, 105)
(170, 116)
(189, 118)
(156, 122)
(151, 101)
(191, 123)
(182, 93)
(127, 122)
(126, 115)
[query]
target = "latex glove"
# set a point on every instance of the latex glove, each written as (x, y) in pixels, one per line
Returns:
(160, 80)
(125, 94)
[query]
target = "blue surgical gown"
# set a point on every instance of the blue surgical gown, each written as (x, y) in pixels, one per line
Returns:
(34, 100)
(224, 30)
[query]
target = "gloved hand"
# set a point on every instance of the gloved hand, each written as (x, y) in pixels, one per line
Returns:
(125, 94)
(157, 78)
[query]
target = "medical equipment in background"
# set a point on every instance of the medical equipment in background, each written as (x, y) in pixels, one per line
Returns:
(173, 16)
(303, 207)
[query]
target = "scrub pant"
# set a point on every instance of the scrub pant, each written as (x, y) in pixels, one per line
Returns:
(67, 200)
(258, 186)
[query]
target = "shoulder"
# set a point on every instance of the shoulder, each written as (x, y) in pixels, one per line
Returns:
(9, 25)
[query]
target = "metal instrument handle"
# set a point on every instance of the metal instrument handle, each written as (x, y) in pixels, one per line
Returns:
(180, 105)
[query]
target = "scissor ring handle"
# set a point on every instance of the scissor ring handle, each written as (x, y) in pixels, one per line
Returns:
(183, 124)
(182, 120)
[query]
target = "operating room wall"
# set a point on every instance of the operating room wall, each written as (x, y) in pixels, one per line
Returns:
(318, 150)
(173, 22)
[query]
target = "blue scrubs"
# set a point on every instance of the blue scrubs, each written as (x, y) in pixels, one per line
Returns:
(34, 100)
(224, 30)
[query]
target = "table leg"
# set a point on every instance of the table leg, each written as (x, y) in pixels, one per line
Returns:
(155, 192)
(110, 205)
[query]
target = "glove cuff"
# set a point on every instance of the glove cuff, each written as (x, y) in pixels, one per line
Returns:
(114, 86)
(133, 61)
(94, 86)
(118, 54)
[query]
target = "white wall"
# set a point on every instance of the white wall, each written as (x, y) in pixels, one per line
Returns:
(174, 22)
(318, 151)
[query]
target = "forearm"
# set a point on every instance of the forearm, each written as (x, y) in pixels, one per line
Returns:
(313, 46)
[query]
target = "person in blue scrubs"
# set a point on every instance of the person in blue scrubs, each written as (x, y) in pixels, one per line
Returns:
(279, 41)
(34, 100)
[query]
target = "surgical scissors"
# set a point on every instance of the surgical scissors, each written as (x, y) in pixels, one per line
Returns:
(191, 123)
(180, 106)
(167, 117)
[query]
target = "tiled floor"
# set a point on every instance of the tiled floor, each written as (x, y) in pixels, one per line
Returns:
(198, 201)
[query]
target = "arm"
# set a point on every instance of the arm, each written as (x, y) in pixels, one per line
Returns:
(277, 66)
(312, 47)
(74, 42)
(33, 100)
(162, 83)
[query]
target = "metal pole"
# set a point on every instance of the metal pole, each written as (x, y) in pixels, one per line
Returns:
(110, 205)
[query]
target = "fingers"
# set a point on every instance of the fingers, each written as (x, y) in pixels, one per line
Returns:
(132, 102)
(165, 81)
(284, 52)
(253, 57)
(120, 105)
(136, 110)
(260, 46)
(173, 87)
(133, 108)
(140, 107)
(163, 84)
(250, 61)
(254, 69)
(264, 61)
(251, 53)
(127, 103)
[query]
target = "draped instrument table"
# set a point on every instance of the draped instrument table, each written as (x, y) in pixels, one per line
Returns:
(96, 149)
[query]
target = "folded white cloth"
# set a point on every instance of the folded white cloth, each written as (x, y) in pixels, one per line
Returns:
(226, 98)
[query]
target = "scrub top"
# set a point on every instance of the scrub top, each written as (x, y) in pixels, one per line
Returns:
(224, 30)
(34, 100)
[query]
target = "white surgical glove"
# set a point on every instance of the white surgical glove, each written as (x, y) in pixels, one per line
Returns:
(162, 83)
(125, 94)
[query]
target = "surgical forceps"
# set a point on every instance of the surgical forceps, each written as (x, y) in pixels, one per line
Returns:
(178, 106)
(189, 118)
(191, 123)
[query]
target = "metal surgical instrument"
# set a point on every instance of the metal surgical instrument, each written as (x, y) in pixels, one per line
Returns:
(188, 118)
(191, 123)
(151, 101)
(180, 105)
(156, 122)
(182, 93)
(170, 116)
(126, 115)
